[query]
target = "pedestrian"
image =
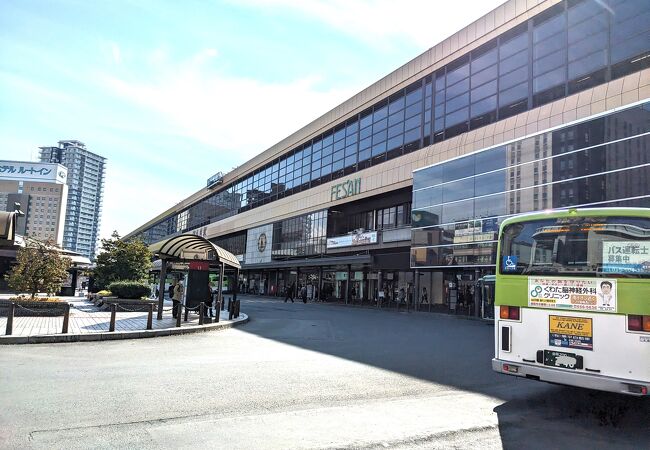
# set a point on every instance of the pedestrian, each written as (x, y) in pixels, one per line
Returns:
(425, 296)
(177, 298)
(290, 292)
(401, 298)
(353, 294)
(303, 294)
(208, 303)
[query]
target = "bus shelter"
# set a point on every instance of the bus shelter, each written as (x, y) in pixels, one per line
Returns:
(200, 254)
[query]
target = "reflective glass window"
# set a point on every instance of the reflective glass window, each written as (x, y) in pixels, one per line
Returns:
(515, 93)
(427, 197)
(414, 96)
(549, 79)
(512, 46)
(549, 28)
(549, 62)
(485, 60)
(548, 46)
(414, 121)
(458, 168)
(412, 135)
(458, 88)
(365, 121)
(457, 211)
(395, 141)
(380, 114)
(457, 117)
(587, 64)
(458, 74)
(490, 183)
(597, 42)
(396, 118)
(395, 130)
(416, 108)
(458, 102)
(489, 160)
(427, 177)
(513, 78)
(513, 62)
(484, 76)
(483, 106)
(396, 105)
(484, 91)
(458, 190)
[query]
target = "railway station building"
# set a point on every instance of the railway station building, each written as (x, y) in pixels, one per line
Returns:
(539, 104)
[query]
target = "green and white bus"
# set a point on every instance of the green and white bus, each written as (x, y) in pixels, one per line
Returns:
(572, 302)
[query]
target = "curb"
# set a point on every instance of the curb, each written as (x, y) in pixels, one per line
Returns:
(118, 335)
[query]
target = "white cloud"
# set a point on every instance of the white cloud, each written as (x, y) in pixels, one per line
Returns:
(115, 52)
(381, 22)
(241, 116)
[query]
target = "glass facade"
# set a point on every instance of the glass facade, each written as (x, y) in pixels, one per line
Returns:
(458, 204)
(300, 236)
(567, 48)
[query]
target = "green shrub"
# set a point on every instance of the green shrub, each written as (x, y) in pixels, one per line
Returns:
(129, 289)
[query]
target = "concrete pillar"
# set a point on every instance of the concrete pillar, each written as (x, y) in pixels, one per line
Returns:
(416, 297)
(380, 284)
(221, 274)
(161, 288)
(320, 282)
(347, 285)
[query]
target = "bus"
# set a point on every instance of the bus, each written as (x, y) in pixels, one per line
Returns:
(572, 298)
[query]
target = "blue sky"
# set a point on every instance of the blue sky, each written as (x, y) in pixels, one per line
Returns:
(173, 92)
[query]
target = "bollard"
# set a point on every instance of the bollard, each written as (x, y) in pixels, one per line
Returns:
(237, 306)
(66, 319)
(111, 326)
(150, 317)
(218, 312)
(201, 312)
(230, 310)
(179, 313)
(229, 304)
(10, 319)
(187, 311)
(223, 305)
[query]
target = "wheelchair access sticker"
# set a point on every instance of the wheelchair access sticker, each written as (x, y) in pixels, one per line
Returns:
(509, 263)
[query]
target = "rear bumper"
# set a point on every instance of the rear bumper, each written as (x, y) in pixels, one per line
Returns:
(574, 378)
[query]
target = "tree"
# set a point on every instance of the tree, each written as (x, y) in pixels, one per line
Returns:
(121, 260)
(39, 268)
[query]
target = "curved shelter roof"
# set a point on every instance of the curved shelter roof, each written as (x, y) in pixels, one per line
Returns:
(178, 247)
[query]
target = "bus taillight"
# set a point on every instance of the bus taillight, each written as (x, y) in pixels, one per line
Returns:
(638, 323)
(509, 312)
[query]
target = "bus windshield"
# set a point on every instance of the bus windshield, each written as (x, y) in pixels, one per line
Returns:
(595, 246)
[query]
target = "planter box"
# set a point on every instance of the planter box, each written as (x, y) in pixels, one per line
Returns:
(130, 304)
(34, 309)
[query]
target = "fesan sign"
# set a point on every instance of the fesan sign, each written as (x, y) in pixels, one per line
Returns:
(345, 189)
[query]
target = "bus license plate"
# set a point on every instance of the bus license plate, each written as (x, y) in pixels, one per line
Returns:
(562, 359)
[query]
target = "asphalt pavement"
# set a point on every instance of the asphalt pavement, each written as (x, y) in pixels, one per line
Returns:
(301, 376)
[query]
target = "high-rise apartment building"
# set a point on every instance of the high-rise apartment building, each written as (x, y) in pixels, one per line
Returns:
(42, 193)
(85, 193)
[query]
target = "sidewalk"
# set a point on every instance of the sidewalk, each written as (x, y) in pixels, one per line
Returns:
(89, 323)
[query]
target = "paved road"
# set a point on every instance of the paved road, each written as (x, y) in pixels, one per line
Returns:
(301, 376)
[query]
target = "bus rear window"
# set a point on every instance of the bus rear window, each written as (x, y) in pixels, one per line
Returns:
(577, 246)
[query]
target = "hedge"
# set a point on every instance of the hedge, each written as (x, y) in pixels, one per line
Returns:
(129, 289)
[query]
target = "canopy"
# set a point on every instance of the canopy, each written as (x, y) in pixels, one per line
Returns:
(191, 246)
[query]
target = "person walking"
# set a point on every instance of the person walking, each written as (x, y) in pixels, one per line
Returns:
(290, 292)
(178, 296)
(303, 294)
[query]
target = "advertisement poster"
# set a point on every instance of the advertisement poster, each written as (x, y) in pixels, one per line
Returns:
(571, 332)
(573, 294)
(626, 257)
